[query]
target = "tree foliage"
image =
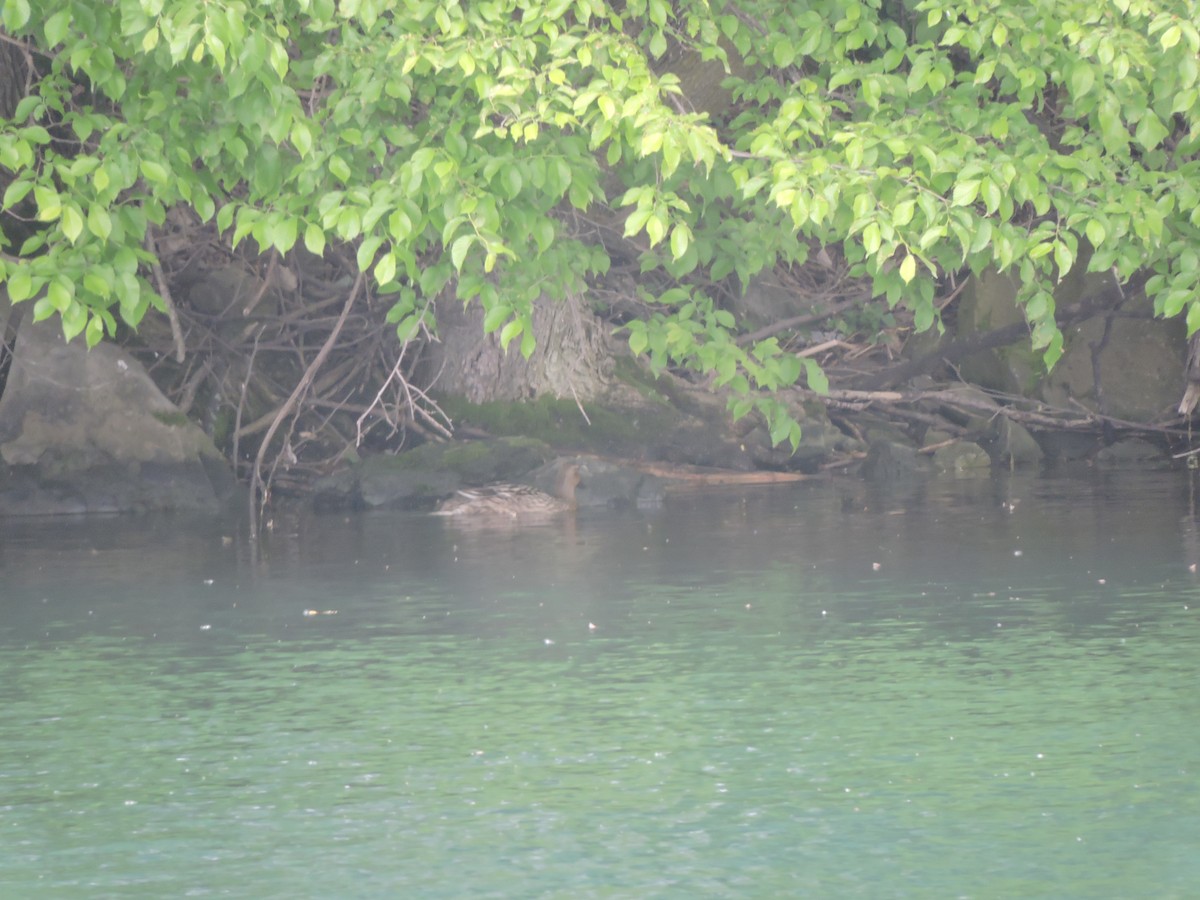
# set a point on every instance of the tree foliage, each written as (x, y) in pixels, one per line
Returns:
(447, 145)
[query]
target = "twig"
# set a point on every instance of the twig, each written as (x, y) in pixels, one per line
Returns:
(799, 321)
(272, 263)
(164, 291)
(237, 417)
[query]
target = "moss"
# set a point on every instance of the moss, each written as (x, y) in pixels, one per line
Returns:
(172, 419)
(630, 372)
(222, 426)
(559, 423)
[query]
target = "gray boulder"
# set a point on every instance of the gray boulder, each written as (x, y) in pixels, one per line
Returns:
(87, 431)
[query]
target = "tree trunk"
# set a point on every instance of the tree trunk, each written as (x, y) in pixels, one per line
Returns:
(572, 358)
(13, 75)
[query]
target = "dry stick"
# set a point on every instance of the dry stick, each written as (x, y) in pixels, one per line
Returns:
(256, 481)
(237, 418)
(272, 263)
(415, 409)
(160, 281)
(799, 321)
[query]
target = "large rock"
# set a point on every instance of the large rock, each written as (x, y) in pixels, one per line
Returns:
(88, 431)
(989, 302)
(1140, 357)
(1141, 368)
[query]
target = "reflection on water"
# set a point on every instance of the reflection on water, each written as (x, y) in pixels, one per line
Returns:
(975, 688)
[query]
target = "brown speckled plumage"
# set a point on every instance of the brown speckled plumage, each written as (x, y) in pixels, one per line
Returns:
(1191, 396)
(513, 500)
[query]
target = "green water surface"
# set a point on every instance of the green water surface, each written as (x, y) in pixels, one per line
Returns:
(809, 692)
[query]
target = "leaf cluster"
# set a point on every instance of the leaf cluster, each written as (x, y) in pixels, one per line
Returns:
(487, 148)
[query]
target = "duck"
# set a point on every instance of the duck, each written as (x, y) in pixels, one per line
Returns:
(514, 500)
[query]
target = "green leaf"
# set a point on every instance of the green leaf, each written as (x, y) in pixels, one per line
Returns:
(1193, 317)
(204, 206)
(16, 14)
(74, 320)
(56, 27)
(1150, 131)
(1064, 258)
(784, 53)
(49, 204)
(871, 238)
(817, 380)
(314, 239)
(511, 330)
(282, 233)
(459, 250)
(1083, 76)
(72, 224)
(965, 192)
(20, 285)
(495, 317)
(225, 217)
(340, 169)
(96, 284)
(99, 222)
(60, 293)
(638, 340)
(94, 332)
(656, 228)
(385, 269)
(636, 220)
(15, 193)
(681, 237)
(658, 44)
(154, 171)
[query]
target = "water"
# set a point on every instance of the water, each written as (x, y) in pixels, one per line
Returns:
(818, 691)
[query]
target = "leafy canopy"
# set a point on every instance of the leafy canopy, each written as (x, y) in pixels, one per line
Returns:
(447, 144)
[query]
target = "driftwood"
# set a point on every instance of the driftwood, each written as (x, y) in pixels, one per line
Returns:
(682, 476)
(914, 405)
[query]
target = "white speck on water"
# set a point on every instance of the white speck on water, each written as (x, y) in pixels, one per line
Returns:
(1018, 553)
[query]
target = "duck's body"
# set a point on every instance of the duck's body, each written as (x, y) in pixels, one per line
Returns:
(513, 500)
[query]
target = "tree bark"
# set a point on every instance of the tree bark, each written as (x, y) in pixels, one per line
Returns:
(572, 358)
